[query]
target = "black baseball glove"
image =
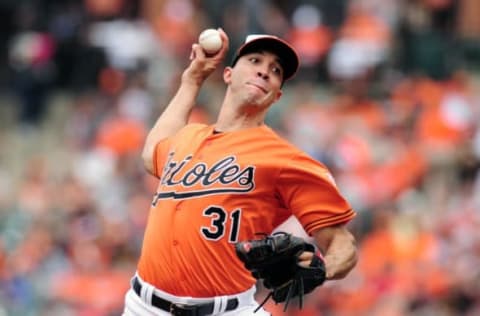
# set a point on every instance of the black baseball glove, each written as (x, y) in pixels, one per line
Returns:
(275, 259)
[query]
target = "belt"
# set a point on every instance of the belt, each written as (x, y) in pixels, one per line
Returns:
(183, 309)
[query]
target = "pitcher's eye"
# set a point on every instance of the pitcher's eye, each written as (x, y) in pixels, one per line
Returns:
(277, 70)
(253, 60)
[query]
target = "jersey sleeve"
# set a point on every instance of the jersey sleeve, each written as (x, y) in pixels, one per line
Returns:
(308, 189)
(160, 156)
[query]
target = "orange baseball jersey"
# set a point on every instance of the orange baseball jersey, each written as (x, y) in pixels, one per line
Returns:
(219, 188)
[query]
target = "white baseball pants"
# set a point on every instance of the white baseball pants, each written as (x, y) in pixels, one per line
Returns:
(139, 306)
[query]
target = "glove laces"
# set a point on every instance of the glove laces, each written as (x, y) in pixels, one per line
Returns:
(291, 290)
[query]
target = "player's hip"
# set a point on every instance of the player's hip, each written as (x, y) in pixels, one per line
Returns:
(144, 299)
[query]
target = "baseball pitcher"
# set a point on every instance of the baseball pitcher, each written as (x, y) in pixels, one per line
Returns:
(222, 190)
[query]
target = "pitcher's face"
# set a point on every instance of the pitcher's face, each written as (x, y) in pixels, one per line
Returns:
(256, 78)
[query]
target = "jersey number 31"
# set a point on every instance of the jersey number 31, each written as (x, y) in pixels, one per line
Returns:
(218, 221)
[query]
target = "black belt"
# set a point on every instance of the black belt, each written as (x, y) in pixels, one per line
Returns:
(181, 309)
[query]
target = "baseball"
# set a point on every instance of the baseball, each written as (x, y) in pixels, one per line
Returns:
(210, 40)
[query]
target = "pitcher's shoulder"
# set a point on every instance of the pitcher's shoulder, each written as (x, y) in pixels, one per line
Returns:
(281, 141)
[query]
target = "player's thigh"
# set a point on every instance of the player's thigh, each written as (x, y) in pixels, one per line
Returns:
(134, 306)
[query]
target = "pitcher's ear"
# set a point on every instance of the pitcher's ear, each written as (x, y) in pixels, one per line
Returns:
(279, 95)
(227, 74)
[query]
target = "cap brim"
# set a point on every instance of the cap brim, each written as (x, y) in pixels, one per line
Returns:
(287, 54)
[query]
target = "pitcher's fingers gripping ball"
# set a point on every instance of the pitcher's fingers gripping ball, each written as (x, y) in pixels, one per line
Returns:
(210, 40)
(275, 259)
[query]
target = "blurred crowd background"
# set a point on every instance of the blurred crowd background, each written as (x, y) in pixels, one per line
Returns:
(387, 97)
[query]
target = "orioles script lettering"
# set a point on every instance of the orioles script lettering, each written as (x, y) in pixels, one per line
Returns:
(223, 176)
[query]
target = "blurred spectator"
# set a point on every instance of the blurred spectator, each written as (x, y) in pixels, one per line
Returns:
(175, 23)
(312, 39)
(135, 101)
(127, 43)
(121, 135)
(425, 41)
(91, 286)
(31, 51)
(105, 8)
(77, 62)
(363, 42)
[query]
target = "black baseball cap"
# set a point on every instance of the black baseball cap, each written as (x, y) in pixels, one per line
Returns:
(257, 42)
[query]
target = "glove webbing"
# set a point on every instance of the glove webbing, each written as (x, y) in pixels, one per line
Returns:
(291, 289)
(296, 283)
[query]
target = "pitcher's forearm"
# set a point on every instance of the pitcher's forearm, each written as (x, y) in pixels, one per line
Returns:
(340, 251)
(176, 114)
